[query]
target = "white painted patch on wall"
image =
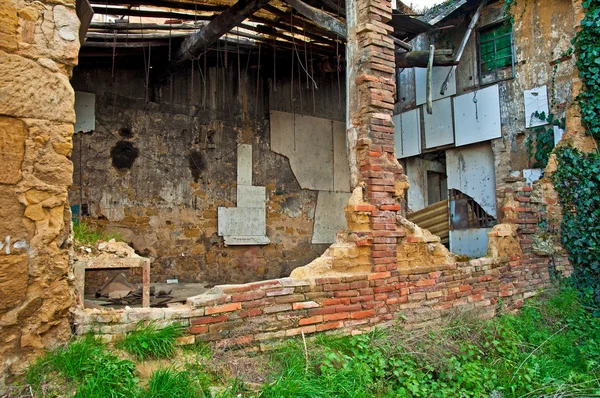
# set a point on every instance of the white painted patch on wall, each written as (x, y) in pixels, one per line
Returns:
(532, 175)
(329, 216)
(85, 112)
(407, 133)
(477, 116)
(316, 149)
(18, 245)
(471, 170)
(438, 127)
(245, 224)
(439, 74)
(469, 242)
(536, 100)
(558, 133)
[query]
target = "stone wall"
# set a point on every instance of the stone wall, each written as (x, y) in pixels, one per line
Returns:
(428, 286)
(165, 205)
(39, 43)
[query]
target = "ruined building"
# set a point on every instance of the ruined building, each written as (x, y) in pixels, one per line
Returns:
(251, 148)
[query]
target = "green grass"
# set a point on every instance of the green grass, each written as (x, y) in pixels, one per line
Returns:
(551, 348)
(88, 236)
(173, 383)
(147, 341)
(86, 367)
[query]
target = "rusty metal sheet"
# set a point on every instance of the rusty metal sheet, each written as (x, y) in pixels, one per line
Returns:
(433, 218)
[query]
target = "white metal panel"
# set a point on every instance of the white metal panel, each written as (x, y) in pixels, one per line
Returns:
(536, 100)
(308, 143)
(407, 133)
(438, 126)
(244, 164)
(248, 196)
(85, 111)
(242, 221)
(477, 116)
(416, 173)
(329, 216)
(532, 175)
(471, 242)
(341, 167)
(438, 75)
(471, 170)
(558, 133)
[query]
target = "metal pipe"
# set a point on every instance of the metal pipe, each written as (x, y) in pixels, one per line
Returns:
(463, 44)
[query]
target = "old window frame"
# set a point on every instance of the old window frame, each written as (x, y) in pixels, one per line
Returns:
(494, 40)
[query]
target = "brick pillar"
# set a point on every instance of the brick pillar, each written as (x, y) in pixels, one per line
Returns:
(373, 164)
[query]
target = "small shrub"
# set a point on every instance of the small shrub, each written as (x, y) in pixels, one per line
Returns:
(87, 236)
(150, 342)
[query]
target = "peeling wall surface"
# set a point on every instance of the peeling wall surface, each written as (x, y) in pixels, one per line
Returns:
(39, 43)
(542, 33)
(188, 164)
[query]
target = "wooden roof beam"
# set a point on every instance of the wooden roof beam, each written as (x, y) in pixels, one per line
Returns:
(320, 18)
(216, 28)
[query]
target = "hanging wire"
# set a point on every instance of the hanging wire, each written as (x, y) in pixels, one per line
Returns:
(312, 71)
(239, 67)
(114, 52)
(293, 50)
(275, 68)
(338, 56)
(257, 85)
(192, 80)
(206, 79)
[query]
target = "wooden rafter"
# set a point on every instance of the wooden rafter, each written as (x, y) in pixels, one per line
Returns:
(320, 18)
(219, 26)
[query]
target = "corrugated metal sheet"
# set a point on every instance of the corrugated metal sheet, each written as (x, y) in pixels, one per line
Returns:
(433, 218)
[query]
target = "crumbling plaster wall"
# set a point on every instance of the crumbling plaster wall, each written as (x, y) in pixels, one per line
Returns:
(542, 32)
(39, 43)
(159, 206)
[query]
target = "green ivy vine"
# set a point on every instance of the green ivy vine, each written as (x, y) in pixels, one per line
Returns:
(577, 179)
(541, 148)
(508, 7)
(587, 47)
(577, 182)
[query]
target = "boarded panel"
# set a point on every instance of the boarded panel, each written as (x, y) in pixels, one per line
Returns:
(477, 116)
(438, 127)
(308, 143)
(407, 134)
(244, 164)
(242, 221)
(341, 167)
(329, 216)
(433, 218)
(470, 242)
(85, 112)
(439, 74)
(471, 170)
(536, 100)
(248, 196)
(532, 175)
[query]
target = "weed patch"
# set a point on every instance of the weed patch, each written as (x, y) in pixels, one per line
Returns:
(147, 341)
(86, 236)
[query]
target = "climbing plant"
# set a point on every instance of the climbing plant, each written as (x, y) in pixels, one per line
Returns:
(577, 182)
(587, 47)
(541, 149)
(508, 7)
(577, 179)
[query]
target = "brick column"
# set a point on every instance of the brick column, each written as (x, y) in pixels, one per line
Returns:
(373, 164)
